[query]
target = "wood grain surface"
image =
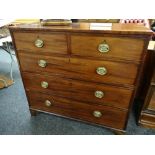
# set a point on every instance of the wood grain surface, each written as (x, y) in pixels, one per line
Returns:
(120, 48)
(53, 43)
(111, 117)
(79, 90)
(82, 69)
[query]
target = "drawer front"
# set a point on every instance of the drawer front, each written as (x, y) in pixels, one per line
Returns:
(93, 94)
(119, 48)
(102, 115)
(51, 43)
(82, 69)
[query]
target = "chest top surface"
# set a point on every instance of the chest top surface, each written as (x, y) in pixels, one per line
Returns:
(115, 28)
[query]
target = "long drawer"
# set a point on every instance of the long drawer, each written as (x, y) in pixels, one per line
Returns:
(107, 47)
(93, 94)
(102, 115)
(81, 69)
(47, 43)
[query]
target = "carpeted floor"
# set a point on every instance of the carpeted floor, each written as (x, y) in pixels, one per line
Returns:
(15, 118)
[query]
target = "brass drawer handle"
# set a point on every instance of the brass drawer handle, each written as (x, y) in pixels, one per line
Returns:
(42, 63)
(39, 43)
(44, 84)
(48, 103)
(101, 71)
(103, 47)
(99, 94)
(97, 114)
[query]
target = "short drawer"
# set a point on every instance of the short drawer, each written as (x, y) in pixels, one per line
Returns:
(102, 115)
(107, 47)
(44, 43)
(91, 93)
(81, 69)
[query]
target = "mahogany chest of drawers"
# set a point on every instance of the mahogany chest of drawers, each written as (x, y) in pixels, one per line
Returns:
(80, 72)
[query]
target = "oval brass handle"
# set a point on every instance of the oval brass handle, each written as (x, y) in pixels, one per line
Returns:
(101, 70)
(97, 114)
(48, 103)
(99, 94)
(44, 84)
(42, 63)
(103, 48)
(39, 43)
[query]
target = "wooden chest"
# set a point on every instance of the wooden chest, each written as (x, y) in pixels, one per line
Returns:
(81, 72)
